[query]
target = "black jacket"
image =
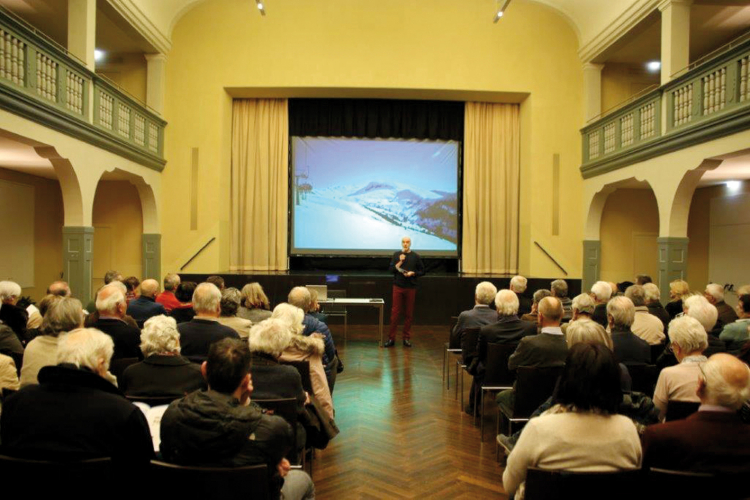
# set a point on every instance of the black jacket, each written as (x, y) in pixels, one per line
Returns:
(508, 330)
(127, 338)
(197, 335)
(479, 315)
(143, 308)
(542, 350)
(16, 318)
(630, 349)
(159, 375)
(658, 310)
(412, 263)
(600, 314)
(182, 314)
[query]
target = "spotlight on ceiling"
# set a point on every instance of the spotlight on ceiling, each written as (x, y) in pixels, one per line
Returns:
(261, 7)
(653, 66)
(98, 55)
(734, 185)
(501, 10)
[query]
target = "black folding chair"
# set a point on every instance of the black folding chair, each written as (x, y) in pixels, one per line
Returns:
(497, 376)
(287, 409)
(562, 485)
(533, 387)
(176, 481)
(680, 410)
(39, 478)
(643, 378)
(453, 346)
(469, 339)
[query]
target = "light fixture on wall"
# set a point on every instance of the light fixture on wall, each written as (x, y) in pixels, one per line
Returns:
(261, 7)
(502, 5)
(98, 55)
(653, 66)
(734, 185)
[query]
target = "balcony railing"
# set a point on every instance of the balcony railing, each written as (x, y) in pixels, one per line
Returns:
(710, 100)
(41, 81)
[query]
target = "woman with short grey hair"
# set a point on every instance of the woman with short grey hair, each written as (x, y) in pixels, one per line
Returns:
(163, 372)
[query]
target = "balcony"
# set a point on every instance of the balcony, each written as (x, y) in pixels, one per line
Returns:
(710, 100)
(40, 81)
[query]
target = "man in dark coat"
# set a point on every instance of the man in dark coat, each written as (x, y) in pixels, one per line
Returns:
(145, 306)
(197, 335)
(714, 293)
(629, 349)
(111, 306)
(483, 313)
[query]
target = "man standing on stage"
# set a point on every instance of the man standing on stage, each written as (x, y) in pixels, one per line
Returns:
(406, 267)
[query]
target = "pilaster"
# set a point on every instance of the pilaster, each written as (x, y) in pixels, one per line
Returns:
(152, 256)
(592, 256)
(78, 250)
(672, 262)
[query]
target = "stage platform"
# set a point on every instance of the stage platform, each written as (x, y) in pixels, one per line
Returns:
(440, 295)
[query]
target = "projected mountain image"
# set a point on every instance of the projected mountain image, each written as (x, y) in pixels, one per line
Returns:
(376, 215)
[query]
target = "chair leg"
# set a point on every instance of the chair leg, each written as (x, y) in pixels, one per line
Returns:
(346, 324)
(445, 360)
(462, 390)
(481, 418)
(456, 396)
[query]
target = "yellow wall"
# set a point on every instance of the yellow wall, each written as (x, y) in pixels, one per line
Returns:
(129, 72)
(629, 228)
(441, 44)
(48, 223)
(621, 81)
(118, 229)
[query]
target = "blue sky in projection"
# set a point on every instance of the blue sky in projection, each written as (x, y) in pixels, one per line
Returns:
(361, 194)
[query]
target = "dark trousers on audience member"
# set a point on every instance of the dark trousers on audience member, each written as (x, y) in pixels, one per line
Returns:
(506, 400)
(403, 302)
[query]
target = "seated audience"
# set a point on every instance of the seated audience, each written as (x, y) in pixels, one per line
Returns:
(204, 329)
(308, 349)
(184, 310)
(255, 305)
(645, 325)
(11, 314)
(518, 285)
(481, 314)
(111, 306)
(714, 439)
(615, 289)
(43, 307)
(583, 432)
(629, 349)
(36, 315)
(315, 307)
(698, 307)
(63, 315)
(145, 306)
(8, 374)
(9, 342)
(167, 298)
(60, 288)
(534, 314)
(230, 304)
(109, 277)
(546, 349)
(643, 279)
(582, 308)
(654, 304)
(678, 289)
(163, 372)
(714, 293)
(601, 292)
(678, 383)
(131, 284)
(559, 289)
(736, 334)
(75, 412)
(222, 427)
(218, 281)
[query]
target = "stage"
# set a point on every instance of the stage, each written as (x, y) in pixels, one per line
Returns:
(440, 296)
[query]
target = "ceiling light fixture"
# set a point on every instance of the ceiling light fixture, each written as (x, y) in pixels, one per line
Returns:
(98, 55)
(501, 9)
(261, 7)
(734, 185)
(653, 66)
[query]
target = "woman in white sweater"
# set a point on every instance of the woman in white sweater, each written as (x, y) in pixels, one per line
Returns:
(583, 431)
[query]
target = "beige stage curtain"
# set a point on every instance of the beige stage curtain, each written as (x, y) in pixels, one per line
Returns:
(260, 152)
(491, 188)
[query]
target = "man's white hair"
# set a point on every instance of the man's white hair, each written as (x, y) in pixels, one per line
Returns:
(727, 381)
(291, 316)
(485, 293)
(109, 303)
(506, 303)
(300, 297)
(518, 284)
(206, 298)
(688, 333)
(85, 347)
(622, 311)
(652, 292)
(271, 336)
(149, 287)
(637, 294)
(716, 291)
(559, 288)
(602, 291)
(9, 290)
(698, 307)
(160, 336)
(171, 281)
(583, 303)
(587, 331)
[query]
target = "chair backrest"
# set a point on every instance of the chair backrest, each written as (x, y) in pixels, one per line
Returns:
(303, 367)
(176, 481)
(561, 484)
(533, 387)
(153, 400)
(117, 366)
(643, 378)
(454, 341)
(656, 351)
(679, 410)
(42, 477)
(496, 369)
(285, 408)
(682, 484)
(469, 339)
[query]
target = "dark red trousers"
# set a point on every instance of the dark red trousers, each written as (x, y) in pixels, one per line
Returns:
(403, 302)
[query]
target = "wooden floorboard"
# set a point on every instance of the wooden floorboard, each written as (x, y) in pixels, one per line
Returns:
(403, 436)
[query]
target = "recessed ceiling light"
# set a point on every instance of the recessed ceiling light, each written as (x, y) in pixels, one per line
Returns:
(653, 66)
(98, 55)
(734, 185)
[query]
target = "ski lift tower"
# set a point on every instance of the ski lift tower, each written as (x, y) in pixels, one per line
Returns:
(297, 177)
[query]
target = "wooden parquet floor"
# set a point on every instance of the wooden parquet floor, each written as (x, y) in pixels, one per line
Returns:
(402, 434)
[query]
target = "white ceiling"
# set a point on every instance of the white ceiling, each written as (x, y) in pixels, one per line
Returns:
(22, 158)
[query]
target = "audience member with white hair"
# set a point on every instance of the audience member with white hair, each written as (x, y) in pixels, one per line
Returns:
(76, 413)
(736, 334)
(167, 298)
(559, 289)
(601, 292)
(111, 306)
(518, 285)
(163, 372)
(698, 307)
(303, 348)
(629, 349)
(688, 340)
(63, 315)
(55, 289)
(197, 335)
(713, 440)
(145, 306)
(481, 314)
(714, 293)
(645, 325)
(582, 308)
(653, 303)
(11, 314)
(230, 304)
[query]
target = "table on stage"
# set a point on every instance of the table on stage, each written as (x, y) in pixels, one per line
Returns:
(379, 303)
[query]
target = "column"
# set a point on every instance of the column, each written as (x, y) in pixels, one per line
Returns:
(155, 74)
(592, 256)
(592, 90)
(152, 256)
(82, 30)
(672, 263)
(78, 250)
(675, 37)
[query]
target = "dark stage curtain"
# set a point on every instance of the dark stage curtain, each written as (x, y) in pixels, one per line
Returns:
(373, 118)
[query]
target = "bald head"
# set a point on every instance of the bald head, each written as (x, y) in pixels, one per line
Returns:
(725, 382)
(550, 311)
(149, 288)
(300, 297)
(110, 300)
(60, 288)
